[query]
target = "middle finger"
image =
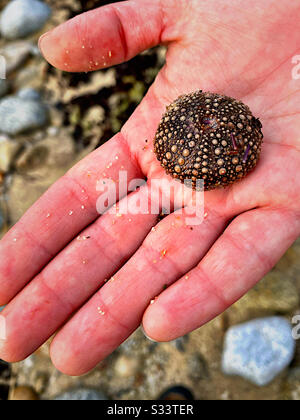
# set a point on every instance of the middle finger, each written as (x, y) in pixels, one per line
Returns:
(71, 278)
(170, 250)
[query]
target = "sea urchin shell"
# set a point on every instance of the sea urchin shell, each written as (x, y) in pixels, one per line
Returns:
(208, 136)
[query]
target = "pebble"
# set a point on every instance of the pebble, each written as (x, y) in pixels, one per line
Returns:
(29, 94)
(180, 343)
(8, 150)
(81, 394)
(23, 17)
(41, 382)
(15, 53)
(126, 367)
(18, 115)
(258, 350)
(4, 87)
(197, 367)
(53, 131)
(23, 393)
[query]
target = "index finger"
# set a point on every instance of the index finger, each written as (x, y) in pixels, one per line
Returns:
(70, 205)
(60, 214)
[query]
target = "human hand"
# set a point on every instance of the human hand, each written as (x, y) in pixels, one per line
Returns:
(214, 46)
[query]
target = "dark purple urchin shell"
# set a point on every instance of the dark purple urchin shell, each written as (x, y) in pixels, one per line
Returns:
(208, 136)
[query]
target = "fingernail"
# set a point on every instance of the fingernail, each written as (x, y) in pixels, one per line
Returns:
(149, 338)
(2, 328)
(41, 39)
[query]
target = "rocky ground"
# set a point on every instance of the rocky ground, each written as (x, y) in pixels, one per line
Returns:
(80, 112)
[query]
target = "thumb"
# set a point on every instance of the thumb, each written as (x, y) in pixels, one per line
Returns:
(104, 37)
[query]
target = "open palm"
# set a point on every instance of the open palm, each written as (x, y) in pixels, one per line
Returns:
(64, 252)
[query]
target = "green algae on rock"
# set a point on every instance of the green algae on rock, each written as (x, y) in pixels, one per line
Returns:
(208, 136)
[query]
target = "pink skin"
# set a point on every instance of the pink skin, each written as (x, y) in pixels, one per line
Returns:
(217, 46)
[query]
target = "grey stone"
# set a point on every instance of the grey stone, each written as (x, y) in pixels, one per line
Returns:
(18, 115)
(23, 17)
(32, 75)
(180, 343)
(81, 394)
(259, 350)
(15, 54)
(29, 93)
(4, 87)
